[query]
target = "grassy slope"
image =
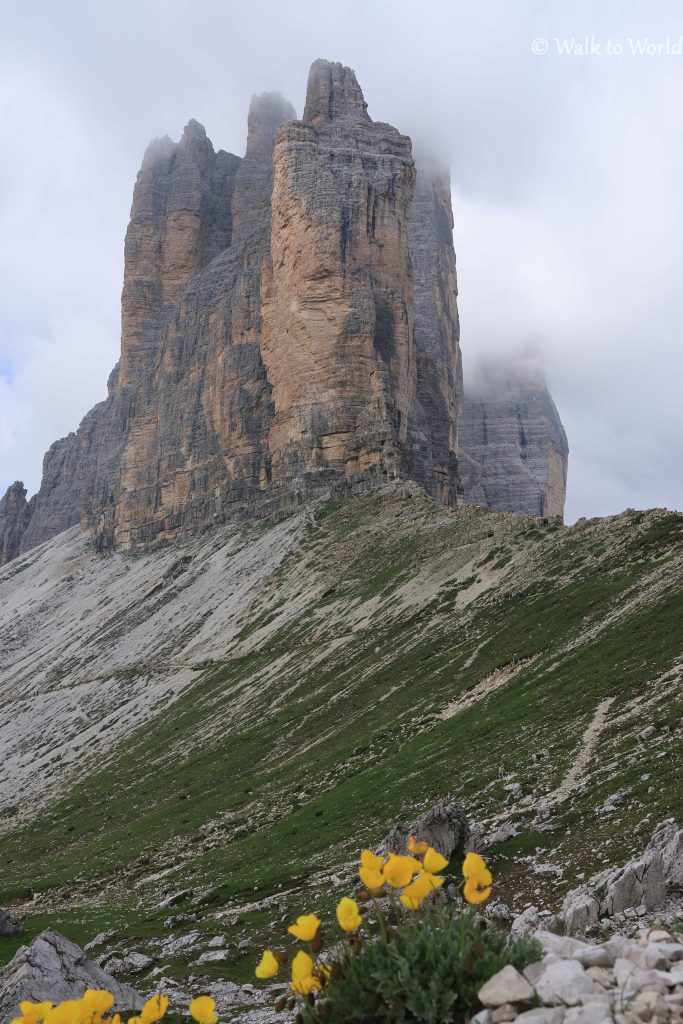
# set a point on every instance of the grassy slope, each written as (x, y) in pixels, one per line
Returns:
(278, 764)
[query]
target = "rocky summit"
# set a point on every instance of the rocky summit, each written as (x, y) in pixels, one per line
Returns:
(289, 324)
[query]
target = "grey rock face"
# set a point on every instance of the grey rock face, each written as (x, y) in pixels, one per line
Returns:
(333, 93)
(445, 827)
(513, 446)
(640, 885)
(9, 925)
(15, 516)
(668, 839)
(580, 911)
(52, 968)
(438, 398)
(254, 179)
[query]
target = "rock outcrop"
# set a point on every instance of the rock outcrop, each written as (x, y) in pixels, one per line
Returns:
(54, 969)
(445, 827)
(632, 890)
(9, 925)
(15, 516)
(289, 321)
(513, 446)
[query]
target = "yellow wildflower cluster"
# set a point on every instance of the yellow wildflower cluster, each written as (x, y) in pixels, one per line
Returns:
(94, 1004)
(416, 873)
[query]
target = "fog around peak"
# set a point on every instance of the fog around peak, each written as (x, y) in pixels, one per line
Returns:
(566, 172)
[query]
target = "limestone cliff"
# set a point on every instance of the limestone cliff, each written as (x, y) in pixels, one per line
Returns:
(289, 320)
(15, 516)
(337, 294)
(513, 446)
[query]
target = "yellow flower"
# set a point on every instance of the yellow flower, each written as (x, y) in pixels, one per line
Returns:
(368, 859)
(96, 1002)
(268, 967)
(475, 891)
(474, 867)
(33, 1013)
(203, 1010)
(417, 846)
(371, 878)
(305, 928)
(433, 861)
(348, 914)
(68, 1012)
(303, 978)
(413, 895)
(154, 1009)
(398, 871)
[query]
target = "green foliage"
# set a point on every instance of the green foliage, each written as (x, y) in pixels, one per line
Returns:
(347, 694)
(428, 970)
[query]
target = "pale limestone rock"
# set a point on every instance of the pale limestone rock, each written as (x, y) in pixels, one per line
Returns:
(542, 1015)
(668, 839)
(564, 981)
(595, 956)
(501, 1014)
(507, 986)
(580, 911)
(212, 955)
(52, 968)
(592, 1013)
(640, 882)
(528, 921)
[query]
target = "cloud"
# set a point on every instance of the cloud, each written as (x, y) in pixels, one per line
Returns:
(566, 176)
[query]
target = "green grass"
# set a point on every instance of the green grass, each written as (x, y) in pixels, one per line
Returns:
(295, 771)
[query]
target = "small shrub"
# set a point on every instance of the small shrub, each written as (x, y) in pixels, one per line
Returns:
(412, 959)
(429, 970)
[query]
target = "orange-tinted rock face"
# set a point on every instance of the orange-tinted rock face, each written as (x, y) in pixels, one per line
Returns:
(289, 320)
(337, 291)
(181, 219)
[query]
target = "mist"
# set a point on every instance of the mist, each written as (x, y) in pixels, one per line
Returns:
(566, 170)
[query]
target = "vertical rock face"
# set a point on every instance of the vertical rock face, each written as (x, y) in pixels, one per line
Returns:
(181, 219)
(514, 449)
(254, 180)
(195, 427)
(288, 319)
(15, 516)
(438, 396)
(336, 334)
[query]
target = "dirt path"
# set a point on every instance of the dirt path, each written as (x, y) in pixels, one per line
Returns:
(589, 742)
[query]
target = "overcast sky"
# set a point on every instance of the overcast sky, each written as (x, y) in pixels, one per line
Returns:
(567, 178)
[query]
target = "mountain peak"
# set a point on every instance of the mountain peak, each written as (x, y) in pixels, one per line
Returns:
(333, 92)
